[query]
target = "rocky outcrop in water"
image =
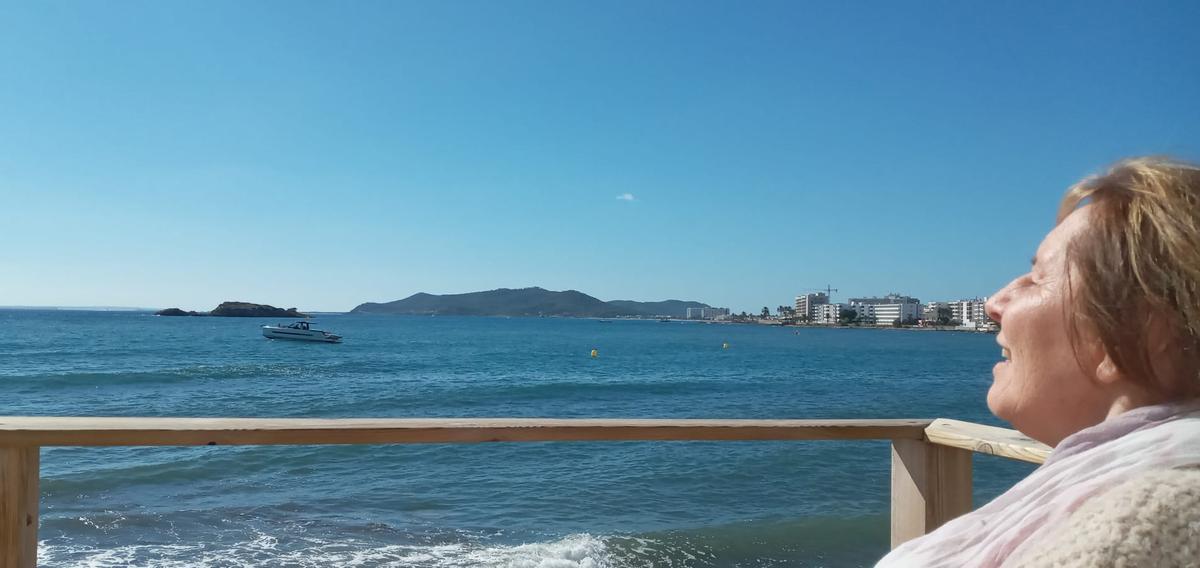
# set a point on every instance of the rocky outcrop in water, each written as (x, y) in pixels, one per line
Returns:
(248, 310)
(177, 312)
(238, 310)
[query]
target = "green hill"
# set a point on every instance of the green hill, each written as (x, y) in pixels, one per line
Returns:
(522, 302)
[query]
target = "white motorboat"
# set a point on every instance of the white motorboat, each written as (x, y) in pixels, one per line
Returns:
(299, 331)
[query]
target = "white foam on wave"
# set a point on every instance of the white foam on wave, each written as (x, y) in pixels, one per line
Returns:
(574, 551)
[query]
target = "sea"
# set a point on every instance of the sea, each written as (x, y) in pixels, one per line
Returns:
(525, 505)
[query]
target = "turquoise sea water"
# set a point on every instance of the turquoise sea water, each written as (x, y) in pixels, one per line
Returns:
(559, 505)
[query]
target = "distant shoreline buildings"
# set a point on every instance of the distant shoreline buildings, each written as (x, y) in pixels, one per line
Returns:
(707, 313)
(893, 310)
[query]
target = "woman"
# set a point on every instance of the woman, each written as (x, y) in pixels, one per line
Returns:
(1101, 360)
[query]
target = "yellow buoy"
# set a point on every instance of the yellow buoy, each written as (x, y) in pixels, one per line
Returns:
(595, 353)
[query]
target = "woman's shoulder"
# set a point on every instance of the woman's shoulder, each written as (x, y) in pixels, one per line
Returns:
(1151, 519)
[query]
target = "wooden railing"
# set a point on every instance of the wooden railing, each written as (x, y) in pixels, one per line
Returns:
(931, 459)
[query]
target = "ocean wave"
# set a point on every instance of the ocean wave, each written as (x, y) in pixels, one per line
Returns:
(173, 374)
(161, 466)
(572, 551)
(813, 541)
(511, 396)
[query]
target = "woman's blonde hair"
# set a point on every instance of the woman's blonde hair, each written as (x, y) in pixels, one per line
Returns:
(1139, 268)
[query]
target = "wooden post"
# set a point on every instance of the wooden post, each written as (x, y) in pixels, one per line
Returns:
(18, 506)
(931, 484)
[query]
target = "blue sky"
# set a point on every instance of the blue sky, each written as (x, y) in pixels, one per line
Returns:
(320, 155)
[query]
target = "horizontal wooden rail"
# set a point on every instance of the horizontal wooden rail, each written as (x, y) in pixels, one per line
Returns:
(931, 459)
(986, 440)
(83, 431)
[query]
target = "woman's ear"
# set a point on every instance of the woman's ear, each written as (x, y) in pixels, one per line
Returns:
(1107, 372)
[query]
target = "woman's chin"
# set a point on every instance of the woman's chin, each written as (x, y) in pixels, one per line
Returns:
(995, 401)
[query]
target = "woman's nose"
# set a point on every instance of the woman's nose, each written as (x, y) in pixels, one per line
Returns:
(996, 302)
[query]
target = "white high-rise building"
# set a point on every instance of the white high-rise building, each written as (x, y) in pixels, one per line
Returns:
(864, 312)
(888, 314)
(807, 304)
(974, 313)
(971, 313)
(828, 313)
(887, 310)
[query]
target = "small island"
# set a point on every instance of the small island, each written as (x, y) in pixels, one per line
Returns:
(238, 310)
(178, 312)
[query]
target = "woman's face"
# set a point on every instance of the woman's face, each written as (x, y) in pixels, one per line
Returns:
(1043, 386)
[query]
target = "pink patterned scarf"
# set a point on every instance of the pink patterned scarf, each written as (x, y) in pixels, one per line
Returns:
(1085, 464)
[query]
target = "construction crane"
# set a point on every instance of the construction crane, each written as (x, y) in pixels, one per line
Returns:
(829, 290)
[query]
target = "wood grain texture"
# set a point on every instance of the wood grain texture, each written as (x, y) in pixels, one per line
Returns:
(101, 431)
(18, 507)
(987, 440)
(931, 485)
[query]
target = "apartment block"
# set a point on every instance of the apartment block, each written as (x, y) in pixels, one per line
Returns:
(807, 304)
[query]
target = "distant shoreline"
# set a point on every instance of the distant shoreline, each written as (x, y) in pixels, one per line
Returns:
(595, 318)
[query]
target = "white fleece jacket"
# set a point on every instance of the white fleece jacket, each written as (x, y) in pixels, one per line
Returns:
(1151, 520)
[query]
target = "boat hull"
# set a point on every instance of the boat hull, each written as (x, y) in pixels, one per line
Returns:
(300, 335)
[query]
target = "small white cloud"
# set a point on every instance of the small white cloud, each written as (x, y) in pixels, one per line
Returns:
(626, 197)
